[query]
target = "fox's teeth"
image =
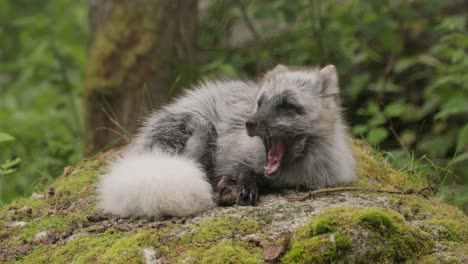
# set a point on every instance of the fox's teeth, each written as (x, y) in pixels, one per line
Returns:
(268, 146)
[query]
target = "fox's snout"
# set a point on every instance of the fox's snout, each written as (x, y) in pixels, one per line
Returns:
(251, 126)
(255, 126)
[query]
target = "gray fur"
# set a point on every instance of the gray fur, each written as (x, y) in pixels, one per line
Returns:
(208, 125)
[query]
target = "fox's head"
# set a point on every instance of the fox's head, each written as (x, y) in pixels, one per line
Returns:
(294, 108)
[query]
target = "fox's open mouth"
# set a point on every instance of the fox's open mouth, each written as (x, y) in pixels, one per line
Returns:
(275, 149)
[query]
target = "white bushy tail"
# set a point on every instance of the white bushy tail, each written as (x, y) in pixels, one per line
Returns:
(154, 184)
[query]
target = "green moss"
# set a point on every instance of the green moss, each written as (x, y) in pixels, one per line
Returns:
(428, 259)
(451, 260)
(72, 201)
(230, 251)
(85, 248)
(446, 222)
(330, 236)
(325, 248)
(109, 247)
(402, 240)
(129, 249)
(375, 172)
(204, 243)
(449, 230)
(24, 209)
(454, 249)
(321, 225)
(377, 220)
(51, 223)
(224, 226)
(80, 182)
(31, 203)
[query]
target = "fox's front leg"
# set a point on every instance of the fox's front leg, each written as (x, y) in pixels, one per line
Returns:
(248, 189)
(226, 191)
(241, 190)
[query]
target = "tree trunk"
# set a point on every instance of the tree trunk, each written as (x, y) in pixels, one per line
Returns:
(135, 47)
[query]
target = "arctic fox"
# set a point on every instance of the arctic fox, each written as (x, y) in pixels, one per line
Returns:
(284, 131)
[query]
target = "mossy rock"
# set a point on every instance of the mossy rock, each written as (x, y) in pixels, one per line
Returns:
(62, 225)
(359, 234)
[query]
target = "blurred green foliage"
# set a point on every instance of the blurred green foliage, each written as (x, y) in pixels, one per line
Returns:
(42, 53)
(7, 166)
(402, 67)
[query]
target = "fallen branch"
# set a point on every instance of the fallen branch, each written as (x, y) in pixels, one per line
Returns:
(312, 194)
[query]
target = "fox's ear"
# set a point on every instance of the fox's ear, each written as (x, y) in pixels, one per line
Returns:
(329, 81)
(279, 68)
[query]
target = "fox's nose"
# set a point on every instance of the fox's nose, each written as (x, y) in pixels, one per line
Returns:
(250, 125)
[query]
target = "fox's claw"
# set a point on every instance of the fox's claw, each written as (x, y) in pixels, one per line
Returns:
(228, 192)
(248, 195)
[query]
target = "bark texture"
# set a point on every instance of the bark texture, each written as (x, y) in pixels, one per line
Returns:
(135, 48)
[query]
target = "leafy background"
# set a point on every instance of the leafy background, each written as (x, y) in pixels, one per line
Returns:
(402, 67)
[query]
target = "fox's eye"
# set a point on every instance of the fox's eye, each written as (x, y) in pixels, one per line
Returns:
(290, 108)
(260, 101)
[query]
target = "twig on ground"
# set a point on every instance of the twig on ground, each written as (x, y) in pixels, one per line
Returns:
(348, 189)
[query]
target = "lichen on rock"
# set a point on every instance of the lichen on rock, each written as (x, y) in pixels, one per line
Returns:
(61, 224)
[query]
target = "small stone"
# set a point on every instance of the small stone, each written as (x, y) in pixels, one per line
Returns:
(253, 238)
(63, 235)
(86, 190)
(149, 256)
(332, 240)
(97, 218)
(123, 227)
(26, 209)
(68, 170)
(74, 225)
(23, 248)
(99, 228)
(51, 192)
(41, 236)
(70, 238)
(37, 196)
(18, 223)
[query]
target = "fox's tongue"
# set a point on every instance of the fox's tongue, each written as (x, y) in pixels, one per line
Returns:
(275, 154)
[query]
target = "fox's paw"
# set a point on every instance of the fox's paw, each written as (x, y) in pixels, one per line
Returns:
(226, 191)
(248, 195)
